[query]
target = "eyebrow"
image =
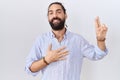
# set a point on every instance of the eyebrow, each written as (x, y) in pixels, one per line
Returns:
(56, 10)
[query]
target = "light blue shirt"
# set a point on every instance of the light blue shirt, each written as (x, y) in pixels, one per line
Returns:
(70, 68)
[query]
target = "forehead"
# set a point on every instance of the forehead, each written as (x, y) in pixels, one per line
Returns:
(54, 7)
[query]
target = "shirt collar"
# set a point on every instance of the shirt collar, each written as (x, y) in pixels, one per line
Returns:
(53, 36)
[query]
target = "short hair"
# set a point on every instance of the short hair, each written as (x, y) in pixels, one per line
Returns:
(59, 3)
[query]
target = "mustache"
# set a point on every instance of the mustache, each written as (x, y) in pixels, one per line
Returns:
(56, 19)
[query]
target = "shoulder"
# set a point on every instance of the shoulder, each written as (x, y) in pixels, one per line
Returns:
(79, 39)
(43, 35)
(41, 38)
(75, 35)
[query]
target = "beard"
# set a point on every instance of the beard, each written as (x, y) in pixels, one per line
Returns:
(57, 25)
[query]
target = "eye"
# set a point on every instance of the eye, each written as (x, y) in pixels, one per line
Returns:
(50, 13)
(59, 11)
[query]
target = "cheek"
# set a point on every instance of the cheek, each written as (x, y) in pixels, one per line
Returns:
(49, 19)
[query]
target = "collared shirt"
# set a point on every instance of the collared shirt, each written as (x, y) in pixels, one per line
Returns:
(70, 68)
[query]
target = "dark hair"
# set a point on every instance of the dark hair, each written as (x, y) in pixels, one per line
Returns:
(59, 3)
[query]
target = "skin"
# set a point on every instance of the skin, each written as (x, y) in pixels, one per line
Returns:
(101, 30)
(59, 54)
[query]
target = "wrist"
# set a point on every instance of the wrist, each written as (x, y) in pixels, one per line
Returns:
(45, 61)
(101, 40)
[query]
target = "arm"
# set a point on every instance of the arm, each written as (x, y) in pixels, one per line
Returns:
(52, 56)
(37, 65)
(99, 51)
(101, 45)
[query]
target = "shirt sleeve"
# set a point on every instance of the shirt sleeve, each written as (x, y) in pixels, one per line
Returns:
(35, 54)
(92, 52)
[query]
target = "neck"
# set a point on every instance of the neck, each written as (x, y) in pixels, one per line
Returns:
(59, 34)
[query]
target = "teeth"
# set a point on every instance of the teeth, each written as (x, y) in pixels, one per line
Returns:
(56, 20)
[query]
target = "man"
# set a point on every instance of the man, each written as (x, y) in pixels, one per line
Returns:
(59, 53)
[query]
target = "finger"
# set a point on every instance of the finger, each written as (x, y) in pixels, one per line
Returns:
(105, 27)
(62, 58)
(63, 52)
(60, 49)
(63, 55)
(102, 30)
(97, 22)
(50, 47)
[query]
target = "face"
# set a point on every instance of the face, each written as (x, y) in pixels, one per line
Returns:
(56, 17)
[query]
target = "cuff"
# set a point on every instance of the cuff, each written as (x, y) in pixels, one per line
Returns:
(29, 71)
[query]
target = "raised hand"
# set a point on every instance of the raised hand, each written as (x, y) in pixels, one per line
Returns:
(101, 30)
(55, 55)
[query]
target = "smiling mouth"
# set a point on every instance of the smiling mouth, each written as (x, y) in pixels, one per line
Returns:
(56, 21)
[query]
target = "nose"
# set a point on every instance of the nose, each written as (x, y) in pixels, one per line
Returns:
(55, 15)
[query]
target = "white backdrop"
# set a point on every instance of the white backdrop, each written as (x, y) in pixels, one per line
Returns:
(21, 21)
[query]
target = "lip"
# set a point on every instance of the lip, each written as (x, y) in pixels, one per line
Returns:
(56, 20)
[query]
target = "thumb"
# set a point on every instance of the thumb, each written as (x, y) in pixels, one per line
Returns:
(50, 47)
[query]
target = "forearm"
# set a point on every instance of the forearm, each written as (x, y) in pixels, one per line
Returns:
(101, 45)
(38, 65)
